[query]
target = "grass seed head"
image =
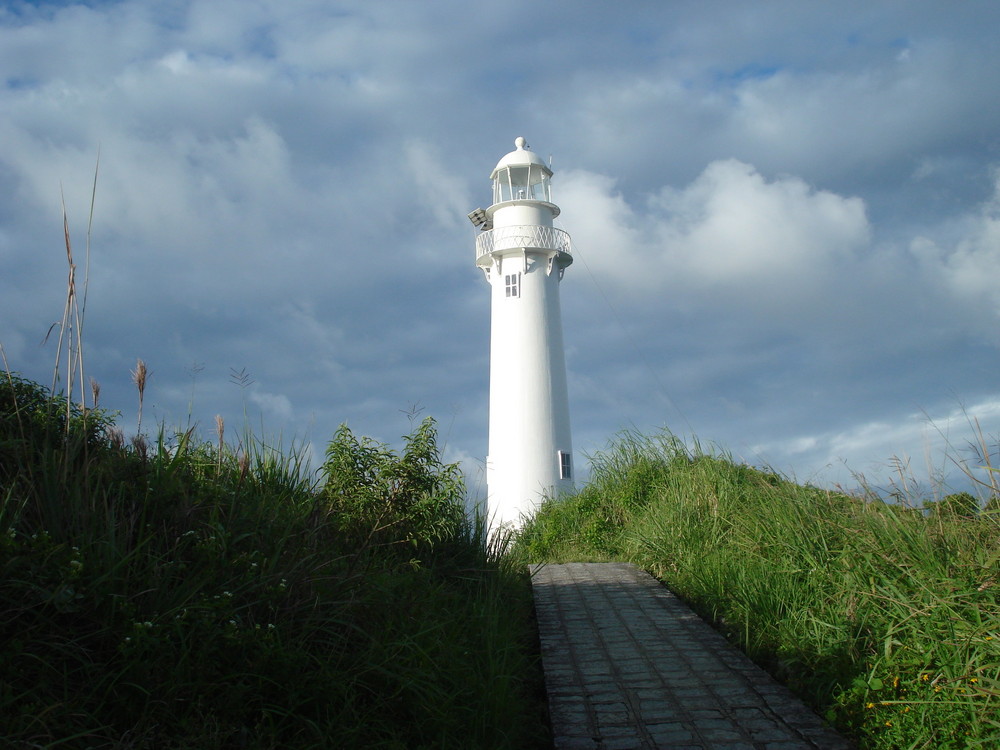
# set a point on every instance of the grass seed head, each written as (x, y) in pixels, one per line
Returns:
(139, 376)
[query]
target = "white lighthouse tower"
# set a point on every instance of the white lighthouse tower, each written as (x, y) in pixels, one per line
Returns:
(524, 257)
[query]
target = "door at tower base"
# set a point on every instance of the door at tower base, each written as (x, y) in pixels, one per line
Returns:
(524, 257)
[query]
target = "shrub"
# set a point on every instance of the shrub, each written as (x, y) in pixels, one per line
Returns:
(34, 422)
(383, 499)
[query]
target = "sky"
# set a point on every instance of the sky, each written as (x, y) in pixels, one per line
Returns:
(785, 217)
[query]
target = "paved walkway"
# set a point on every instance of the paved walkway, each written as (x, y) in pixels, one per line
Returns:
(628, 665)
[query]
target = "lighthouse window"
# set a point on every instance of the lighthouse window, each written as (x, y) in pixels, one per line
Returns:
(565, 465)
(512, 283)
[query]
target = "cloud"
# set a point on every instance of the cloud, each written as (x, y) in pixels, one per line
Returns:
(440, 192)
(731, 232)
(732, 227)
(275, 405)
(939, 450)
(971, 265)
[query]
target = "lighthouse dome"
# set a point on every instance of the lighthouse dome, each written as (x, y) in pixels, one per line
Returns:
(522, 155)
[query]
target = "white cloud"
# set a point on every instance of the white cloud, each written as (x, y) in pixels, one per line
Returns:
(274, 405)
(958, 262)
(731, 230)
(931, 447)
(731, 226)
(438, 189)
(971, 268)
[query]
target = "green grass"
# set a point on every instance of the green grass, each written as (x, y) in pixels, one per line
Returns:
(884, 618)
(175, 593)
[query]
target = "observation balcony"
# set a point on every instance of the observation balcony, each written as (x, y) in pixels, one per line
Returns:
(529, 237)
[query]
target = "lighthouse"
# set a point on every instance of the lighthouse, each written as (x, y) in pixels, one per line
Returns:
(524, 257)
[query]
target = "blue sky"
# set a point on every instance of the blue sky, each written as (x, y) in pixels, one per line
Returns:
(786, 215)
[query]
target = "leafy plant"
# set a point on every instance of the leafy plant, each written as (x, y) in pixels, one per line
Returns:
(383, 498)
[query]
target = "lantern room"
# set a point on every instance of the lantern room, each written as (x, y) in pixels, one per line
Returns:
(521, 175)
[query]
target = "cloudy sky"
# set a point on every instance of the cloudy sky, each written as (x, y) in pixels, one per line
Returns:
(785, 215)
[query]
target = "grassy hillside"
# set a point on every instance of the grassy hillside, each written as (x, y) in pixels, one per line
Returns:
(885, 618)
(173, 593)
(180, 593)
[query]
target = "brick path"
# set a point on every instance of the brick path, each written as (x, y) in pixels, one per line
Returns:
(628, 665)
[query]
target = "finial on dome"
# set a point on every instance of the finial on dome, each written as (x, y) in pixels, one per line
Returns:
(520, 143)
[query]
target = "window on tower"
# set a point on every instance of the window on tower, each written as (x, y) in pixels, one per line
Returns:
(565, 465)
(512, 282)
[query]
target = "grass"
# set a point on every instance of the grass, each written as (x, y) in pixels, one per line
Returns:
(885, 618)
(173, 593)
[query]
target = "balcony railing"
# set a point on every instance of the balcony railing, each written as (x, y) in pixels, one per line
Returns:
(529, 237)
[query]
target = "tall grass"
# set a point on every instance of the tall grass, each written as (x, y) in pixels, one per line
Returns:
(174, 593)
(885, 618)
